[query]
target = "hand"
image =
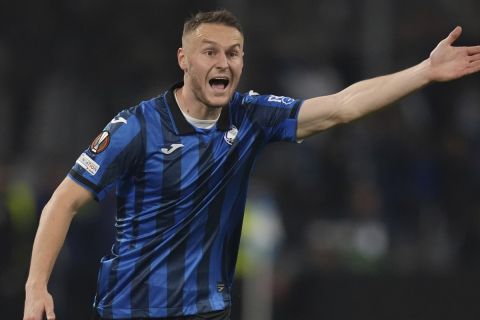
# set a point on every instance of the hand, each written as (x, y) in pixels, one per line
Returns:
(448, 62)
(38, 302)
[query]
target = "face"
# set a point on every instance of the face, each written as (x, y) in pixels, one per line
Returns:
(212, 61)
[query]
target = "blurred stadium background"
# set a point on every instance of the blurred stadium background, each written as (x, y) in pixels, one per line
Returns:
(378, 219)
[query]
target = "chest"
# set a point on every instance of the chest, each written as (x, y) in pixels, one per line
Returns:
(178, 165)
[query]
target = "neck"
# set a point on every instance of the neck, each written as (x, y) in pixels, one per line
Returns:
(193, 107)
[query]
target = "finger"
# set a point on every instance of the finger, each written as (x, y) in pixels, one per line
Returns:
(50, 316)
(454, 35)
(474, 57)
(49, 309)
(473, 67)
(473, 50)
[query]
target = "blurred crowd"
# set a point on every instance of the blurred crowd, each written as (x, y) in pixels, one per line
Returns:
(367, 205)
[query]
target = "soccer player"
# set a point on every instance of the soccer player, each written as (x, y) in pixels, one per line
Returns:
(180, 164)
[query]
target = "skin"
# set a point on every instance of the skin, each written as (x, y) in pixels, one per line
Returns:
(217, 51)
(209, 52)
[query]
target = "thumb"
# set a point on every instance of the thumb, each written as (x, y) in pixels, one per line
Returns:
(454, 35)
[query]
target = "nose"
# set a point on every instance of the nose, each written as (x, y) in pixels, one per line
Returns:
(222, 62)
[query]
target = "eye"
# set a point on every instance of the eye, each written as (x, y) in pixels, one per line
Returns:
(209, 52)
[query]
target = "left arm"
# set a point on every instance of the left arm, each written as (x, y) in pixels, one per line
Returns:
(445, 63)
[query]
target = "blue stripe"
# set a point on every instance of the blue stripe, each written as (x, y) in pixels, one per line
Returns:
(139, 287)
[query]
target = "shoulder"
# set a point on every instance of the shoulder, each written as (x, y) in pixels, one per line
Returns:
(146, 107)
(145, 110)
(132, 119)
(253, 98)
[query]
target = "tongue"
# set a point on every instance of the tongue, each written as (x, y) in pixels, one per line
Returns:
(218, 86)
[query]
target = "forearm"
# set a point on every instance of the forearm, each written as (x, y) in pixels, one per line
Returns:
(370, 95)
(52, 230)
(320, 113)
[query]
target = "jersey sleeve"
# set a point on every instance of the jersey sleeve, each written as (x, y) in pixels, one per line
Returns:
(277, 115)
(111, 156)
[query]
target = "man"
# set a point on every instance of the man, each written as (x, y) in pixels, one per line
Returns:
(180, 165)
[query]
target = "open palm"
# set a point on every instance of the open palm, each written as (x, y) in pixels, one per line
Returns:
(449, 62)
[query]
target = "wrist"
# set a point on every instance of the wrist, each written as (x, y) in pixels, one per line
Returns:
(34, 284)
(426, 72)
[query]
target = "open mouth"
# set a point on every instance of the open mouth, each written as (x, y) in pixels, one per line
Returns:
(219, 83)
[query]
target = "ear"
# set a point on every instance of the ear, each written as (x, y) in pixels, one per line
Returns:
(182, 59)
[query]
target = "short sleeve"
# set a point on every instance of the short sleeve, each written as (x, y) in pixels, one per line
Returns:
(277, 115)
(111, 155)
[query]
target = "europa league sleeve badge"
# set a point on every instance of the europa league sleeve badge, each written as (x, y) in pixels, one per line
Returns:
(100, 143)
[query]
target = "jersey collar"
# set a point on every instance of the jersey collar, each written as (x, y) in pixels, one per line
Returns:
(182, 125)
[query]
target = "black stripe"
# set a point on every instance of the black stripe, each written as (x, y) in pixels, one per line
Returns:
(183, 126)
(223, 123)
(205, 159)
(112, 277)
(293, 113)
(230, 253)
(139, 178)
(112, 281)
(84, 181)
(121, 210)
(176, 258)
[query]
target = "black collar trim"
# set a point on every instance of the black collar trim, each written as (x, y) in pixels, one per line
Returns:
(182, 125)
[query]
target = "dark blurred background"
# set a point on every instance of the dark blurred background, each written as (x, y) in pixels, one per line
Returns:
(377, 219)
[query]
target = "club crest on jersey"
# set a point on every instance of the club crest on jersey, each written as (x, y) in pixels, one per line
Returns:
(230, 135)
(100, 143)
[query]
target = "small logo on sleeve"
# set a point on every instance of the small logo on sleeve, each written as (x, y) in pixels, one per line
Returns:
(88, 164)
(100, 143)
(280, 99)
(119, 120)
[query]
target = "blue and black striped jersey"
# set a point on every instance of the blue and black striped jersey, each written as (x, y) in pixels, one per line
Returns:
(180, 194)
